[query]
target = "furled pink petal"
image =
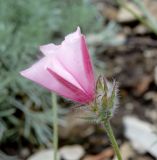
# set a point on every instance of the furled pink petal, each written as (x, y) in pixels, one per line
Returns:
(73, 36)
(39, 74)
(74, 56)
(77, 60)
(49, 49)
(66, 69)
(78, 92)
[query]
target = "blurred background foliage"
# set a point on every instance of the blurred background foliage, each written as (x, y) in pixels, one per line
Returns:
(25, 108)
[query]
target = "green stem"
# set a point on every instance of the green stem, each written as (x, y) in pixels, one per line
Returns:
(112, 139)
(55, 125)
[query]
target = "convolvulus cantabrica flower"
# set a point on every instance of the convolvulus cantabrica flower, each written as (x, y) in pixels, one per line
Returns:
(66, 69)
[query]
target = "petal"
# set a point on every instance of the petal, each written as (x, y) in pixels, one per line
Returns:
(39, 74)
(74, 56)
(80, 94)
(87, 63)
(66, 69)
(73, 36)
(55, 65)
(49, 49)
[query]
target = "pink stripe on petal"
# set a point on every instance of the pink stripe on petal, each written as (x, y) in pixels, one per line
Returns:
(80, 95)
(87, 63)
(73, 75)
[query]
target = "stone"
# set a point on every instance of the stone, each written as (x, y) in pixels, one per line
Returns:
(141, 135)
(74, 152)
(140, 29)
(142, 85)
(125, 16)
(43, 155)
(127, 151)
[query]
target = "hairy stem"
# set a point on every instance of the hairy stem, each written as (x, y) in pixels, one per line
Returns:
(112, 139)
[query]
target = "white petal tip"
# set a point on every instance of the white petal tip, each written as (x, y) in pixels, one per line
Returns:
(78, 30)
(23, 73)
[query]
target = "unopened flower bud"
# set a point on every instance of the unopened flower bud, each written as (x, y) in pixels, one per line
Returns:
(106, 98)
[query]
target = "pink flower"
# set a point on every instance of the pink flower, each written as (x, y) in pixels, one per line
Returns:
(65, 69)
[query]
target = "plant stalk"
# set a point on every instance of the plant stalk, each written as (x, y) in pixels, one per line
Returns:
(112, 139)
(55, 125)
(147, 22)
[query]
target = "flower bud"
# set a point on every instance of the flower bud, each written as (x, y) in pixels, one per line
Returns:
(106, 98)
